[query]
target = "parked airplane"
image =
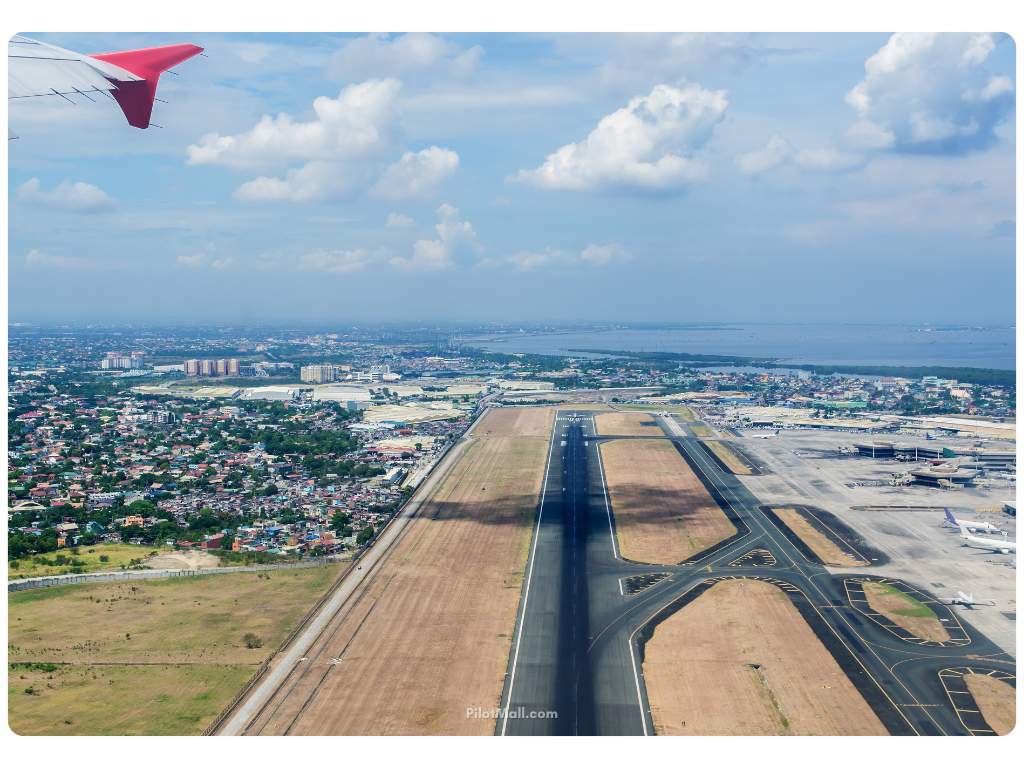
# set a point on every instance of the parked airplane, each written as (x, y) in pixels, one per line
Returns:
(765, 437)
(968, 600)
(129, 77)
(1005, 546)
(972, 524)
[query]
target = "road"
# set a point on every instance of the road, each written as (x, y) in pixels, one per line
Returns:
(575, 666)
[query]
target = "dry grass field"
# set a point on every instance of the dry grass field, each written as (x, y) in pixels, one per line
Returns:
(638, 424)
(697, 670)
(997, 701)
(116, 554)
(831, 552)
(193, 627)
(702, 430)
(904, 611)
(730, 459)
(431, 636)
(663, 513)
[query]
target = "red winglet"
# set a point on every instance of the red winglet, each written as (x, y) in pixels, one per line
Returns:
(136, 97)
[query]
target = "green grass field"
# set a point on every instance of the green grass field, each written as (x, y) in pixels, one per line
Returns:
(86, 700)
(919, 611)
(116, 554)
(171, 652)
(702, 431)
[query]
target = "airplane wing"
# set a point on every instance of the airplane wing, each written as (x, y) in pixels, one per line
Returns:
(130, 77)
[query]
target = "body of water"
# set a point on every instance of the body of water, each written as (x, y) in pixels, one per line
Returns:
(799, 344)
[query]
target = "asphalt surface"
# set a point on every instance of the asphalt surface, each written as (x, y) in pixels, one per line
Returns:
(576, 661)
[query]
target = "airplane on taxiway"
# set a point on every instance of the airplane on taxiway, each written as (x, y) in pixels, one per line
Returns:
(976, 525)
(765, 437)
(969, 600)
(1004, 546)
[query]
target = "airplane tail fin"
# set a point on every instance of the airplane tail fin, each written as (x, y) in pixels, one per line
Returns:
(949, 516)
(777, 431)
(136, 97)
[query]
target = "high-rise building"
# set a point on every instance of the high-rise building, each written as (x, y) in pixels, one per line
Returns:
(207, 368)
(221, 367)
(191, 367)
(319, 374)
(234, 367)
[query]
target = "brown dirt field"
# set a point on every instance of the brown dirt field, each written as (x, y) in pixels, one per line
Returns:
(830, 552)
(432, 634)
(886, 603)
(695, 671)
(627, 424)
(730, 459)
(663, 513)
(997, 701)
(188, 560)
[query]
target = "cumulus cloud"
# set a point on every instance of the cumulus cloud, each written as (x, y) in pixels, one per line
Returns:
(196, 260)
(778, 151)
(551, 257)
(929, 93)
(775, 151)
(399, 221)
(410, 55)
(74, 198)
(603, 254)
(457, 241)
(37, 259)
(223, 263)
(641, 146)
(341, 261)
(343, 151)
(417, 175)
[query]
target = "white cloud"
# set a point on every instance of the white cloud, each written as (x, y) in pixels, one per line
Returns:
(417, 175)
(458, 240)
(399, 221)
(775, 151)
(826, 160)
(624, 59)
(343, 149)
(410, 55)
(525, 260)
(642, 145)
(361, 122)
(778, 150)
(341, 261)
(223, 263)
(37, 259)
(74, 198)
(602, 254)
(927, 92)
(196, 260)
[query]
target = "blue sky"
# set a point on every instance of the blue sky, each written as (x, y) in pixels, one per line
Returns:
(674, 177)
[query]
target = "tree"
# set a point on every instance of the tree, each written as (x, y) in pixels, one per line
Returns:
(252, 640)
(339, 520)
(226, 542)
(364, 535)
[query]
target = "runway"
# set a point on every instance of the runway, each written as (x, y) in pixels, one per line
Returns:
(576, 662)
